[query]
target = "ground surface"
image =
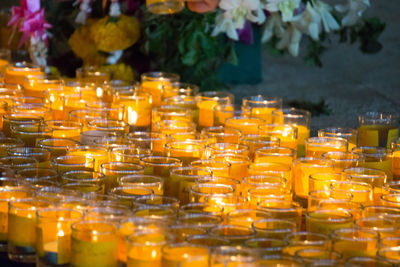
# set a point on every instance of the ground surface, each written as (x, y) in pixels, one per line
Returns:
(351, 82)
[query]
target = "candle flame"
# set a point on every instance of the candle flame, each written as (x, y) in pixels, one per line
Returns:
(132, 116)
(60, 233)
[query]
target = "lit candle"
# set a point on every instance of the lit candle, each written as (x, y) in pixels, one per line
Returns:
(94, 244)
(54, 235)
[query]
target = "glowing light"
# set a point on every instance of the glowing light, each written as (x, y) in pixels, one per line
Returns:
(132, 116)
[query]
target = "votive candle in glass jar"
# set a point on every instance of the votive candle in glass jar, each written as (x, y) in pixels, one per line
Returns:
(261, 106)
(303, 168)
(137, 109)
(206, 101)
(65, 129)
(377, 129)
(144, 247)
(221, 134)
(256, 141)
(349, 134)
(379, 158)
(12, 119)
(355, 242)
(30, 133)
(286, 133)
(97, 154)
(22, 233)
(42, 155)
(373, 177)
(302, 240)
(236, 234)
(344, 160)
(94, 243)
(57, 146)
(298, 118)
(324, 221)
(54, 235)
(230, 256)
(183, 101)
(282, 209)
(244, 124)
(180, 88)
(149, 140)
(274, 228)
(316, 146)
(155, 83)
(183, 178)
(198, 192)
(92, 74)
(185, 151)
(72, 163)
(8, 142)
(184, 255)
(170, 113)
(283, 155)
(362, 192)
(16, 73)
(114, 170)
(154, 183)
(7, 194)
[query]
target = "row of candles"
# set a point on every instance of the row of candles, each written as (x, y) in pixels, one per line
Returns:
(97, 172)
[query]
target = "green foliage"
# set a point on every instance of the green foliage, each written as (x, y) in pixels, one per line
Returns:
(366, 32)
(182, 43)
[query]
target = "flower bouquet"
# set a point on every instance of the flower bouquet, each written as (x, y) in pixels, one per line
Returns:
(193, 38)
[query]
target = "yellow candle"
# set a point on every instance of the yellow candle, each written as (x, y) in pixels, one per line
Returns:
(184, 255)
(94, 244)
(144, 248)
(15, 74)
(245, 125)
(206, 113)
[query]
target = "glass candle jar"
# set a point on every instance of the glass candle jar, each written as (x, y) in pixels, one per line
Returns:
(72, 163)
(183, 254)
(57, 146)
(345, 133)
(316, 146)
(245, 125)
(144, 247)
(22, 233)
(377, 129)
(114, 170)
(261, 106)
(344, 160)
(155, 83)
(54, 235)
(298, 118)
(206, 101)
(185, 151)
(302, 240)
(137, 109)
(303, 168)
(286, 133)
(94, 243)
(377, 158)
(324, 221)
(16, 73)
(151, 182)
(221, 134)
(353, 242)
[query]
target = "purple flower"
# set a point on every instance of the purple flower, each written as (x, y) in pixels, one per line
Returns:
(246, 33)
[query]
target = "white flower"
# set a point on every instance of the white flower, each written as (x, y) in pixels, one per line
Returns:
(353, 9)
(308, 22)
(84, 9)
(290, 39)
(235, 13)
(286, 7)
(289, 36)
(272, 26)
(225, 24)
(324, 10)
